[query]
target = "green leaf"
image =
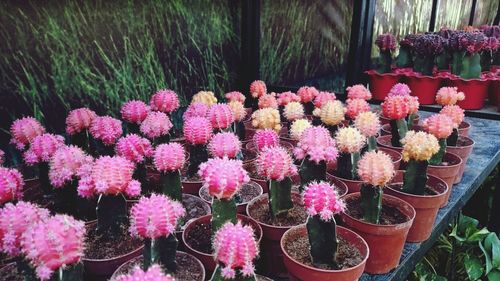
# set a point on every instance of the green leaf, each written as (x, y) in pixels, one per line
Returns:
(486, 256)
(473, 267)
(494, 275)
(478, 235)
(495, 251)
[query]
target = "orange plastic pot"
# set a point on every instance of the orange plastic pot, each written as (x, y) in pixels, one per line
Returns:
(463, 129)
(447, 173)
(463, 152)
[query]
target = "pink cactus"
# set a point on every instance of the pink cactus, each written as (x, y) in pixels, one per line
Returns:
(224, 144)
(134, 148)
(286, 98)
(395, 107)
(355, 107)
(223, 176)
(269, 100)
(265, 138)
(154, 273)
(155, 125)
(155, 216)
(221, 116)
(449, 96)
(400, 89)
(54, 243)
(14, 221)
(79, 120)
(307, 94)
(258, 88)
(42, 148)
(2, 157)
(236, 248)
(322, 98)
(235, 96)
(197, 130)
(386, 42)
(455, 112)
(358, 92)
(169, 157)
(135, 111)
(65, 164)
(368, 124)
(275, 163)
(106, 129)
(320, 198)
(413, 104)
(24, 130)
(196, 109)
(110, 176)
(316, 143)
(165, 101)
(439, 125)
(11, 185)
(376, 168)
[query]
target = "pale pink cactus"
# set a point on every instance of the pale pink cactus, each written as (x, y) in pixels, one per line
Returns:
(349, 140)
(134, 111)
(223, 177)
(169, 157)
(224, 144)
(258, 88)
(375, 168)
(134, 148)
(439, 125)
(79, 120)
(316, 143)
(368, 124)
(54, 243)
(413, 104)
(14, 221)
(269, 100)
(165, 101)
(286, 98)
(449, 96)
(11, 185)
(196, 109)
(65, 164)
(42, 148)
(238, 110)
(293, 111)
(106, 129)
(322, 98)
(355, 107)
(455, 112)
(395, 107)
(320, 198)
(235, 96)
(307, 94)
(110, 176)
(197, 130)
(155, 125)
(265, 138)
(358, 92)
(236, 248)
(24, 130)
(2, 157)
(275, 163)
(155, 216)
(154, 273)
(400, 89)
(221, 116)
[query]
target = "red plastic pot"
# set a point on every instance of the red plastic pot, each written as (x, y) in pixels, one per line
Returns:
(381, 84)
(386, 242)
(475, 91)
(447, 173)
(426, 206)
(462, 151)
(423, 87)
(463, 129)
(298, 271)
(240, 207)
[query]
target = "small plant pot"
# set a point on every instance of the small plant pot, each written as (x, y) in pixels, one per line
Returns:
(426, 206)
(352, 185)
(191, 187)
(250, 168)
(395, 156)
(385, 142)
(386, 242)
(300, 271)
(423, 87)
(462, 150)
(381, 84)
(447, 173)
(386, 129)
(208, 259)
(249, 156)
(463, 129)
(475, 91)
(247, 193)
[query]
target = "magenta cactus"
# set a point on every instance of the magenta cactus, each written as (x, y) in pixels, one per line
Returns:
(42, 148)
(165, 101)
(286, 98)
(221, 116)
(235, 96)
(320, 198)
(156, 125)
(154, 273)
(11, 185)
(235, 248)
(223, 177)
(316, 144)
(441, 126)
(358, 91)
(135, 111)
(106, 129)
(258, 88)
(79, 120)
(24, 130)
(356, 106)
(275, 163)
(15, 219)
(322, 98)
(265, 138)
(169, 157)
(307, 94)
(400, 89)
(134, 148)
(197, 130)
(224, 144)
(196, 109)
(65, 164)
(386, 42)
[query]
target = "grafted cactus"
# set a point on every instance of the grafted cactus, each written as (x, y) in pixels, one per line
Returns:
(136, 149)
(197, 131)
(24, 130)
(405, 57)
(358, 91)
(239, 113)
(235, 96)
(154, 273)
(413, 106)
(265, 138)
(307, 95)
(400, 89)
(457, 115)
(322, 203)
(350, 141)
(134, 112)
(396, 109)
(441, 126)
(268, 101)
(156, 127)
(257, 89)
(224, 144)
(11, 185)
(332, 113)
(298, 127)
(196, 109)
(106, 130)
(286, 98)
(221, 116)
(293, 111)
(266, 118)
(165, 101)
(368, 124)
(427, 47)
(356, 106)
(449, 96)
(77, 127)
(169, 160)
(386, 44)
(321, 99)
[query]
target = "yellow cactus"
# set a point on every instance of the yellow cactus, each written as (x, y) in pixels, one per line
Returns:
(419, 146)
(267, 118)
(331, 113)
(205, 97)
(297, 127)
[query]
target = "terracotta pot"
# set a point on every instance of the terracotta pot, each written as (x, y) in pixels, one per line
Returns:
(385, 142)
(426, 206)
(208, 259)
(381, 84)
(341, 188)
(352, 185)
(191, 187)
(447, 173)
(386, 242)
(462, 151)
(396, 156)
(475, 91)
(241, 207)
(463, 129)
(252, 155)
(423, 87)
(299, 271)
(286, 138)
(386, 129)
(384, 120)
(285, 144)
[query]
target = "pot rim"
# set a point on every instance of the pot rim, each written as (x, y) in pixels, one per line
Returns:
(265, 196)
(261, 191)
(416, 75)
(463, 146)
(442, 194)
(465, 124)
(453, 155)
(343, 179)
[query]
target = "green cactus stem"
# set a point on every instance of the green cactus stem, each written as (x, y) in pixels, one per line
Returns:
(437, 158)
(111, 214)
(223, 210)
(280, 197)
(323, 241)
(456, 65)
(410, 119)
(347, 165)
(310, 171)
(486, 59)
(43, 176)
(198, 154)
(471, 67)
(69, 273)
(217, 276)
(132, 128)
(170, 184)
(404, 58)
(399, 128)
(424, 65)
(82, 140)
(141, 175)
(385, 62)
(371, 203)
(26, 270)
(372, 143)
(443, 61)
(161, 139)
(453, 138)
(415, 177)
(239, 130)
(161, 251)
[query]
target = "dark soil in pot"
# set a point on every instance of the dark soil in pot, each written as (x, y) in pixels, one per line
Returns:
(248, 155)
(9, 273)
(33, 193)
(194, 207)
(295, 216)
(104, 247)
(247, 192)
(389, 215)
(429, 191)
